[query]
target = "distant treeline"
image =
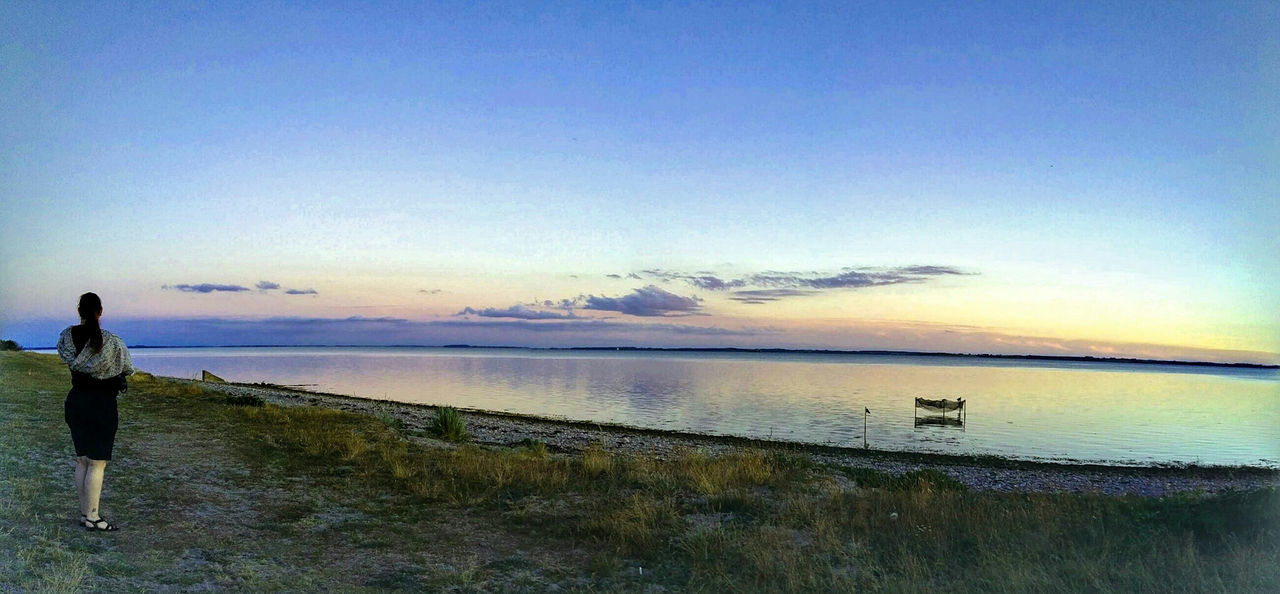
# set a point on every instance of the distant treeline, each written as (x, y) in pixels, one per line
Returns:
(9, 345)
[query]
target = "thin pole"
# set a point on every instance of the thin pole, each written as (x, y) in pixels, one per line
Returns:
(865, 411)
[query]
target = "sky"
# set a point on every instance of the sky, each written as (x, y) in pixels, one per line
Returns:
(1021, 177)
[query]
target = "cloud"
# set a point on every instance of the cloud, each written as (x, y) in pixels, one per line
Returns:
(520, 312)
(712, 283)
(851, 278)
(663, 275)
(765, 295)
(803, 283)
(597, 325)
(649, 301)
(932, 270)
(301, 292)
(430, 291)
(267, 286)
(613, 276)
(633, 275)
(206, 288)
(565, 304)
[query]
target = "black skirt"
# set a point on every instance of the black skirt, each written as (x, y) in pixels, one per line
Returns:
(90, 412)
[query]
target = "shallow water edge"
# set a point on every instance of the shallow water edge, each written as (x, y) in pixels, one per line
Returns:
(978, 472)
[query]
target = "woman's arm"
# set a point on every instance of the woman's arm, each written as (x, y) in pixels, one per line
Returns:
(123, 360)
(66, 347)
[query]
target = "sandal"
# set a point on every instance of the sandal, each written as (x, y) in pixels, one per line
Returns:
(99, 525)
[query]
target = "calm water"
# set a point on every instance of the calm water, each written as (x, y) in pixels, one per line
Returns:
(1076, 411)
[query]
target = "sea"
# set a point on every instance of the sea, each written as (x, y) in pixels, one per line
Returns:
(1068, 411)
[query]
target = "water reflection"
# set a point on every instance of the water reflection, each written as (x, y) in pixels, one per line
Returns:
(939, 421)
(1087, 412)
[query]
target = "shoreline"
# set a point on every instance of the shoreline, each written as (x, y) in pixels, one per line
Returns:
(368, 500)
(977, 472)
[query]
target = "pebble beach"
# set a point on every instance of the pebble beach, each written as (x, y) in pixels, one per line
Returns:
(977, 473)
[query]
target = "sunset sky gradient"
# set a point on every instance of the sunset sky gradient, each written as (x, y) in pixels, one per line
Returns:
(1048, 178)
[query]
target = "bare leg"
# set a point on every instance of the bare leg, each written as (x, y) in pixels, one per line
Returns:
(93, 487)
(82, 468)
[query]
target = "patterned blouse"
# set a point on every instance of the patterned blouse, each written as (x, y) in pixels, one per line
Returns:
(110, 361)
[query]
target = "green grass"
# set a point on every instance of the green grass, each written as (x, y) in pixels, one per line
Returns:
(449, 425)
(214, 495)
(533, 448)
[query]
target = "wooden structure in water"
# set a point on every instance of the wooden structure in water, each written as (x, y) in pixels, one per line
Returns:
(205, 376)
(934, 408)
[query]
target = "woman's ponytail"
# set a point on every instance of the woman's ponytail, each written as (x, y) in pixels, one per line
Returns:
(90, 307)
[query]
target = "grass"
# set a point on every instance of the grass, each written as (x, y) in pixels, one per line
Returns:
(448, 425)
(916, 480)
(534, 448)
(215, 495)
(245, 400)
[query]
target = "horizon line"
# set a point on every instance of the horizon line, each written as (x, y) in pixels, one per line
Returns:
(873, 352)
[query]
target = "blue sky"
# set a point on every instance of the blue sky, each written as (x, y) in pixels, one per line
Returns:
(1102, 174)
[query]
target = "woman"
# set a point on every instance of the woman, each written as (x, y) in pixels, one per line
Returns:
(99, 363)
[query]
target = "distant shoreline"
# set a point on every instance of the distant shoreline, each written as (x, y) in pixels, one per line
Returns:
(779, 351)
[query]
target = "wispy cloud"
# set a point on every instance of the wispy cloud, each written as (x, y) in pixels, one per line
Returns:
(713, 283)
(857, 277)
(768, 286)
(520, 312)
(598, 325)
(261, 286)
(430, 291)
(206, 288)
(649, 301)
(766, 295)
(932, 270)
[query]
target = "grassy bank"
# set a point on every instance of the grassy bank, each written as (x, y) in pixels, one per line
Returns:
(215, 494)
(611, 431)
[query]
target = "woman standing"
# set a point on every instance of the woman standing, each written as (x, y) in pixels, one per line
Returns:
(99, 363)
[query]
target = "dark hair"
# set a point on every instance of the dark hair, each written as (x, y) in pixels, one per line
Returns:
(89, 308)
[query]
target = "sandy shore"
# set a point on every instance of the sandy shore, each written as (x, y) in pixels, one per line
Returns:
(979, 473)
